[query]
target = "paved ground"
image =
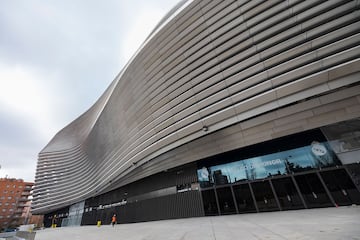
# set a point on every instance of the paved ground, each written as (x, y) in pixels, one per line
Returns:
(319, 224)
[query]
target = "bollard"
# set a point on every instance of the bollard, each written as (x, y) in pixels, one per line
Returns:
(98, 223)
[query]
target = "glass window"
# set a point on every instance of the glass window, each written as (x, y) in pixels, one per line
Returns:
(315, 155)
(205, 177)
(344, 138)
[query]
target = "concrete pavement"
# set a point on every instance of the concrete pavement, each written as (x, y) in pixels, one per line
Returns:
(320, 224)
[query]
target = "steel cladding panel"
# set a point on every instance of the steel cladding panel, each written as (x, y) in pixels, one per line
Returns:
(214, 76)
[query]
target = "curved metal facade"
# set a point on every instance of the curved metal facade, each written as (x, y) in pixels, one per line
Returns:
(214, 76)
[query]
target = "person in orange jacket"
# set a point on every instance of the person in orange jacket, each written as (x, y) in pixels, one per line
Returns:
(113, 220)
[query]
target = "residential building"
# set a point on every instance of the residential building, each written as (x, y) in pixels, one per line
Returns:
(14, 200)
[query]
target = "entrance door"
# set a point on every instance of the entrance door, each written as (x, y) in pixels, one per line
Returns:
(209, 201)
(313, 191)
(341, 187)
(244, 200)
(287, 194)
(264, 196)
(226, 200)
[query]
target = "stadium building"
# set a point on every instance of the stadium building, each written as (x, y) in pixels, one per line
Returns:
(228, 107)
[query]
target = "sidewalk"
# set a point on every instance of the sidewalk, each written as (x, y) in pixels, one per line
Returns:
(319, 224)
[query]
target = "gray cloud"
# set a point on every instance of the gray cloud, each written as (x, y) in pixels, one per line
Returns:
(63, 55)
(15, 130)
(18, 143)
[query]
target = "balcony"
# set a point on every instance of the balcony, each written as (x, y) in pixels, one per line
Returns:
(19, 211)
(22, 205)
(23, 199)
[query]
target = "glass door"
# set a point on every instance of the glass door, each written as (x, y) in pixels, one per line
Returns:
(226, 200)
(313, 191)
(264, 196)
(209, 201)
(341, 187)
(244, 200)
(287, 194)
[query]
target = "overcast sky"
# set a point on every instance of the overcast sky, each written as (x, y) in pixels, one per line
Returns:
(56, 58)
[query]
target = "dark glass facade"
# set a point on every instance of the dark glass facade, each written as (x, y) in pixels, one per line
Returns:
(294, 172)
